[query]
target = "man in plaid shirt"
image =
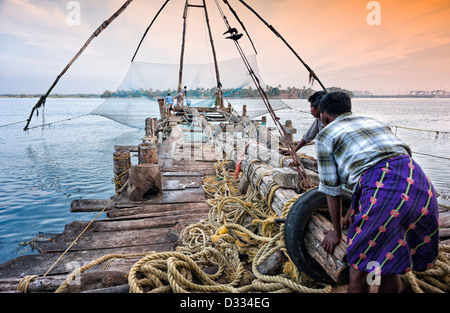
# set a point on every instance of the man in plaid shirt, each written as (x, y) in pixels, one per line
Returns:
(394, 208)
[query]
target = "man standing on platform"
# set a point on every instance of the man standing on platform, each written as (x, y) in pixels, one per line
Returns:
(316, 126)
(393, 219)
(169, 104)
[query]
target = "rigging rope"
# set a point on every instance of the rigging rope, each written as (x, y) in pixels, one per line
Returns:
(105, 24)
(285, 137)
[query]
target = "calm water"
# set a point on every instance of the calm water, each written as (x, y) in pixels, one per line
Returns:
(42, 171)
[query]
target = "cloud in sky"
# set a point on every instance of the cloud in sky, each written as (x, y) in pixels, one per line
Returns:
(409, 50)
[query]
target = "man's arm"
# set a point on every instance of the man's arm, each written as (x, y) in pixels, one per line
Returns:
(286, 151)
(333, 237)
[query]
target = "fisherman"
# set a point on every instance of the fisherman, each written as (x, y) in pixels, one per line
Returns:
(316, 126)
(219, 96)
(180, 99)
(393, 219)
(169, 104)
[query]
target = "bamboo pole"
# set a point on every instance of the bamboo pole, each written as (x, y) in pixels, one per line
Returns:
(105, 24)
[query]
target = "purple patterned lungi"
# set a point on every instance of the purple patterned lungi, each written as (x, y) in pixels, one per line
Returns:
(394, 219)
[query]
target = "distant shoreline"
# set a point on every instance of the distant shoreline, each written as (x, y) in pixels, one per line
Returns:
(100, 96)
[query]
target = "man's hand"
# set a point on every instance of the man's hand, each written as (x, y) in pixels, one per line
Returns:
(346, 221)
(285, 151)
(332, 239)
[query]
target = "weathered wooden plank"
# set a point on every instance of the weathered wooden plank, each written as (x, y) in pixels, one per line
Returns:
(156, 208)
(444, 219)
(180, 183)
(182, 174)
(145, 223)
(126, 148)
(104, 240)
(174, 196)
(86, 281)
(37, 264)
(444, 232)
(336, 267)
(139, 215)
(89, 205)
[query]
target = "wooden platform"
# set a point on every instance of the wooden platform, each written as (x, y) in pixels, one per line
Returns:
(130, 227)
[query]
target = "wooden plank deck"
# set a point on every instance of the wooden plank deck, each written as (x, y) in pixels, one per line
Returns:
(130, 227)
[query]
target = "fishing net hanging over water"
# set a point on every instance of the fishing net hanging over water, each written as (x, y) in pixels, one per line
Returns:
(137, 97)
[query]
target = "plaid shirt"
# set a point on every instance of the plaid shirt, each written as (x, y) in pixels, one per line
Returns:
(349, 146)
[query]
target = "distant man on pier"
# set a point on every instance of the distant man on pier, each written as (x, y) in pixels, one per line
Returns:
(393, 219)
(169, 104)
(180, 99)
(316, 126)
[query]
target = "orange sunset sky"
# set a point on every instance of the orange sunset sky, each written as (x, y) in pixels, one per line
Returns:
(410, 50)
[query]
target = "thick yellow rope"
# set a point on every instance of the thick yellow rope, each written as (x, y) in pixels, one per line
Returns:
(435, 280)
(222, 240)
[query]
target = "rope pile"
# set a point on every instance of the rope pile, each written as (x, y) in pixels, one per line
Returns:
(435, 280)
(223, 253)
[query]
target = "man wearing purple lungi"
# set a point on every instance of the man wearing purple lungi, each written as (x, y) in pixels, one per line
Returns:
(394, 214)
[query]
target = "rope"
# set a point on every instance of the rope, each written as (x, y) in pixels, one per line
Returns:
(424, 130)
(117, 178)
(23, 284)
(229, 238)
(435, 280)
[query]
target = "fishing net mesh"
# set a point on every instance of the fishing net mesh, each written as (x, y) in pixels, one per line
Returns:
(145, 83)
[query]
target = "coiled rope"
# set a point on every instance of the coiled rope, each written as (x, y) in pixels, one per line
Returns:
(224, 241)
(435, 280)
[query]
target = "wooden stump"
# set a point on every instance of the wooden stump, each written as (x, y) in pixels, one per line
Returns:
(162, 109)
(144, 182)
(147, 153)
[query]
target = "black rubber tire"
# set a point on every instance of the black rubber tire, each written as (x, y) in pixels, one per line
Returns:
(294, 231)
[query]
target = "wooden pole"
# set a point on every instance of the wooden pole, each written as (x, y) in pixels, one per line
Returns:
(122, 164)
(147, 153)
(311, 72)
(212, 44)
(105, 24)
(183, 42)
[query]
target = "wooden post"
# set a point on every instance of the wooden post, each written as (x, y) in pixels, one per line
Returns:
(162, 109)
(147, 153)
(183, 40)
(144, 182)
(148, 127)
(122, 164)
(290, 130)
(244, 110)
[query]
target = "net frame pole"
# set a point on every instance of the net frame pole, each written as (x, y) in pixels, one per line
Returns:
(105, 24)
(312, 75)
(148, 28)
(183, 44)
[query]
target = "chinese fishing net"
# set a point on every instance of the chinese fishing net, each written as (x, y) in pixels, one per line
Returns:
(137, 97)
